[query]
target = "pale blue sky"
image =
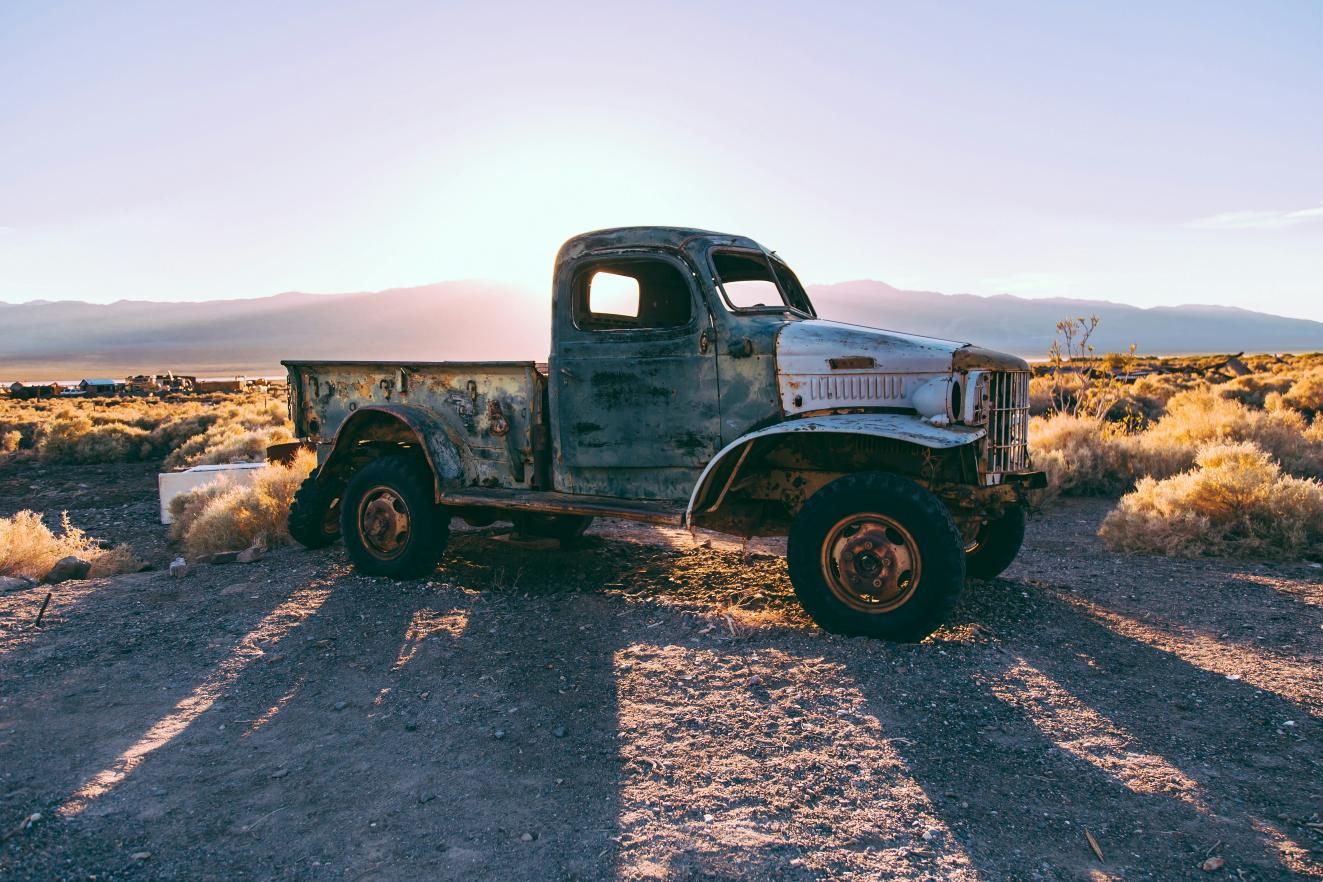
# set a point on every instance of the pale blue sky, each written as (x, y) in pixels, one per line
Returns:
(1149, 153)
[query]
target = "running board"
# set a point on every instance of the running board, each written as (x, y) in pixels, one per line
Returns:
(644, 510)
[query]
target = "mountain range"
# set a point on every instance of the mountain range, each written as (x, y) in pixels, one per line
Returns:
(474, 320)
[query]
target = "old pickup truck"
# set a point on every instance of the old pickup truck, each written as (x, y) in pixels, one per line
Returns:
(690, 382)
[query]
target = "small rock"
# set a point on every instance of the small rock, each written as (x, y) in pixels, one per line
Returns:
(498, 734)
(179, 568)
(1212, 865)
(280, 773)
(15, 583)
(249, 555)
(755, 680)
(559, 732)
(140, 855)
(68, 568)
(527, 837)
(341, 705)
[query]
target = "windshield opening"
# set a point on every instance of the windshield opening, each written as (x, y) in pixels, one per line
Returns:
(751, 282)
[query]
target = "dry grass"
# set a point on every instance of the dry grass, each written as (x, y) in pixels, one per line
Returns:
(1087, 456)
(225, 517)
(10, 440)
(1236, 501)
(30, 548)
(220, 428)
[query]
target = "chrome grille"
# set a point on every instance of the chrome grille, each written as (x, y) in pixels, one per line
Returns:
(1008, 421)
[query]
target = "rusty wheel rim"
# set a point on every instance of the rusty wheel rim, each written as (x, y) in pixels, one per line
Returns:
(383, 522)
(871, 563)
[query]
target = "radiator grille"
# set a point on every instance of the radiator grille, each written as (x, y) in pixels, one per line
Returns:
(1008, 421)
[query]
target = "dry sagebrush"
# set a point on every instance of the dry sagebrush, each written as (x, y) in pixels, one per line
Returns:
(228, 517)
(1236, 502)
(28, 547)
(1088, 456)
(223, 428)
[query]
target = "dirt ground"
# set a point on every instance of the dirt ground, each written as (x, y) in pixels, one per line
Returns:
(645, 708)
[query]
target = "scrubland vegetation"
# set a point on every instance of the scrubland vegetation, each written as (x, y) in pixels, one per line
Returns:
(28, 547)
(1214, 455)
(222, 428)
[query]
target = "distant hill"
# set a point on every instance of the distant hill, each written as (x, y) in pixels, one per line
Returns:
(483, 320)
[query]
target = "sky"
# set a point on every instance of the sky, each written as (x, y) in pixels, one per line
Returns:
(1145, 153)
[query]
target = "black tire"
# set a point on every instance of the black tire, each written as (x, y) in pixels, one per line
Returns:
(879, 526)
(391, 524)
(566, 528)
(997, 544)
(314, 516)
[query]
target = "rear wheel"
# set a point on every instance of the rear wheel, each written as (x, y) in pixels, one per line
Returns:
(876, 555)
(391, 524)
(566, 528)
(997, 544)
(314, 516)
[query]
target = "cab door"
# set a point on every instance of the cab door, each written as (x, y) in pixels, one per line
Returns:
(633, 378)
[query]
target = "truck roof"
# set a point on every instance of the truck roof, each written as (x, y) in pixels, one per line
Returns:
(644, 237)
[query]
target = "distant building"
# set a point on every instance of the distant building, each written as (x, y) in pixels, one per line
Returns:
(235, 385)
(25, 391)
(99, 387)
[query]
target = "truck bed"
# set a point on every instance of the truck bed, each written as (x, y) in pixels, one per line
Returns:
(492, 412)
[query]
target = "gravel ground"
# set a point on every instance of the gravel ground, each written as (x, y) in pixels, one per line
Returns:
(651, 706)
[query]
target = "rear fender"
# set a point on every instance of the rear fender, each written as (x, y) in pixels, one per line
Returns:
(727, 468)
(393, 424)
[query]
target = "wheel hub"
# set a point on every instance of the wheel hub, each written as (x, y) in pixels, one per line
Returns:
(870, 562)
(383, 521)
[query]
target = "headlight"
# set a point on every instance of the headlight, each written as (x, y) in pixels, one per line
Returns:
(939, 400)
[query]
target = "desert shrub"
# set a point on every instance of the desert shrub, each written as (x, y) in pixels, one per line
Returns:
(1078, 453)
(30, 548)
(241, 434)
(120, 430)
(226, 517)
(76, 438)
(1253, 389)
(1236, 502)
(1088, 456)
(1202, 416)
(1306, 393)
(1151, 393)
(10, 440)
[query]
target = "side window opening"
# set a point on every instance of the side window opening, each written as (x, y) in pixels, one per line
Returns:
(632, 295)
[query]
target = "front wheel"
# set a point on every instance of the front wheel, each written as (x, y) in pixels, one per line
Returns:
(876, 555)
(391, 524)
(997, 544)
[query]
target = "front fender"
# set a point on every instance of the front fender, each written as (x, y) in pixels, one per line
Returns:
(394, 423)
(909, 428)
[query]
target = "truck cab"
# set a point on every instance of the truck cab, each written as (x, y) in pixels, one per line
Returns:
(690, 381)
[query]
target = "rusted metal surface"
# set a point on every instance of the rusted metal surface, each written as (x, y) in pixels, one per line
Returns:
(478, 422)
(900, 427)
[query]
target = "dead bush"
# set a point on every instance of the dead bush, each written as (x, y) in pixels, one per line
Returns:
(1252, 390)
(1235, 502)
(75, 438)
(1306, 393)
(226, 517)
(30, 548)
(10, 440)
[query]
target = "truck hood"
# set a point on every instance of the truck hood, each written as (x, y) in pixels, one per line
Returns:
(823, 366)
(809, 347)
